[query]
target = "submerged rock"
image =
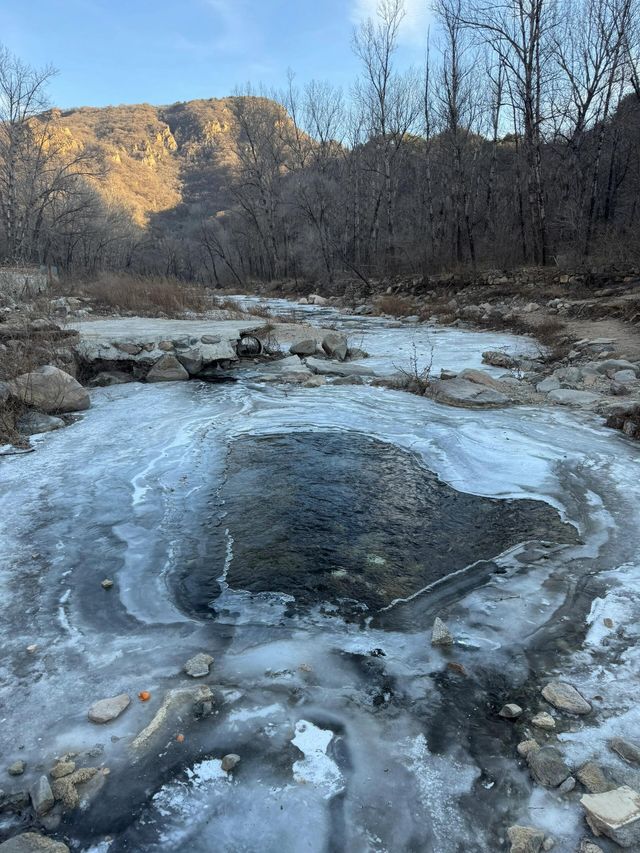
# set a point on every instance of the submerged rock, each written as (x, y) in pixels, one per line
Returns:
(199, 665)
(440, 634)
(32, 842)
(548, 767)
(230, 761)
(592, 777)
(565, 697)
(543, 721)
(615, 814)
(106, 710)
(525, 839)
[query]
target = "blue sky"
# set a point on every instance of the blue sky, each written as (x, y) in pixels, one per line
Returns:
(157, 51)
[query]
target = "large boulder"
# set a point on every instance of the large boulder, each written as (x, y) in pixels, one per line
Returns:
(51, 390)
(191, 360)
(548, 767)
(480, 377)
(335, 345)
(32, 842)
(306, 347)
(167, 369)
(565, 697)
(615, 814)
(462, 392)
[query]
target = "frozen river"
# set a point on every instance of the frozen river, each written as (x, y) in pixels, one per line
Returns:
(306, 538)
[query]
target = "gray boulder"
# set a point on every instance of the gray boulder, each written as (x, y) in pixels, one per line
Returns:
(167, 369)
(51, 390)
(565, 697)
(615, 814)
(626, 749)
(41, 796)
(480, 377)
(461, 392)
(106, 710)
(551, 383)
(191, 360)
(32, 842)
(570, 397)
(306, 347)
(499, 359)
(548, 767)
(33, 423)
(624, 376)
(335, 345)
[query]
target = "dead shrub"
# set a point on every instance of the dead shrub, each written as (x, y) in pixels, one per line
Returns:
(395, 306)
(146, 295)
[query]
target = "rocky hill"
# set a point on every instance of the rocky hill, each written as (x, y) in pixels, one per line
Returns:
(160, 162)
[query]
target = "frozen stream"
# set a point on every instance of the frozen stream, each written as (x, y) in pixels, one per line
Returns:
(354, 733)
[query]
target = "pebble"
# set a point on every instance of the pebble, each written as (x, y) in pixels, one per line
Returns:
(510, 711)
(199, 665)
(230, 761)
(543, 721)
(107, 583)
(106, 710)
(17, 768)
(527, 746)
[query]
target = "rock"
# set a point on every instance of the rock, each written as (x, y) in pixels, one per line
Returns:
(548, 767)
(567, 786)
(615, 814)
(587, 846)
(41, 796)
(32, 842)
(565, 697)
(107, 583)
(305, 347)
(440, 634)
(525, 839)
(335, 345)
(167, 369)
(230, 761)
(527, 746)
(611, 366)
(543, 721)
(16, 769)
(199, 665)
(355, 353)
(316, 299)
(106, 710)
(592, 777)
(499, 359)
(551, 383)
(329, 368)
(626, 749)
(65, 788)
(461, 392)
(51, 390)
(569, 397)
(33, 423)
(448, 374)
(167, 346)
(107, 378)
(480, 377)
(510, 711)
(15, 801)
(62, 768)
(191, 360)
(623, 376)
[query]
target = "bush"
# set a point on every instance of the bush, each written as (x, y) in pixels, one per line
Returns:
(146, 295)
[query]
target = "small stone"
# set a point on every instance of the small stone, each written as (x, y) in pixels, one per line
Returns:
(41, 796)
(548, 767)
(107, 583)
(527, 746)
(230, 761)
(565, 697)
(543, 721)
(587, 846)
(17, 768)
(62, 768)
(510, 711)
(32, 842)
(525, 839)
(626, 749)
(199, 665)
(567, 786)
(549, 843)
(106, 710)
(440, 634)
(32, 648)
(615, 814)
(592, 777)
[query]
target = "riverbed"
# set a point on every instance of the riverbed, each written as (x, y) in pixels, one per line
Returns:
(306, 538)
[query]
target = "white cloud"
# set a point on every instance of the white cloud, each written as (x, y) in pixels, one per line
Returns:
(414, 26)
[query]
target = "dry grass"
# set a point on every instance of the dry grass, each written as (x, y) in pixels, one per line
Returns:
(146, 295)
(395, 306)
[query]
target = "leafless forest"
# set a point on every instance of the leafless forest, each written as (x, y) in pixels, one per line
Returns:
(516, 143)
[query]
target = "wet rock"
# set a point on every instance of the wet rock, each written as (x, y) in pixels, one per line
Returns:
(510, 711)
(62, 768)
(525, 839)
(41, 796)
(335, 345)
(440, 634)
(34, 423)
(527, 746)
(592, 777)
(543, 721)
(65, 788)
(333, 369)
(167, 369)
(565, 697)
(16, 769)
(198, 666)
(230, 761)
(499, 359)
(551, 383)
(303, 348)
(548, 767)
(32, 842)
(106, 710)
(480, 377)
(51, 390)
(569, 397)
(567, 786)
(626, 749)
(615, 814)
(13, 801)
(466, 394)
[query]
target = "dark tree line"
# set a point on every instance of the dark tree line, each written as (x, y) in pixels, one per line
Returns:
(517, 143)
